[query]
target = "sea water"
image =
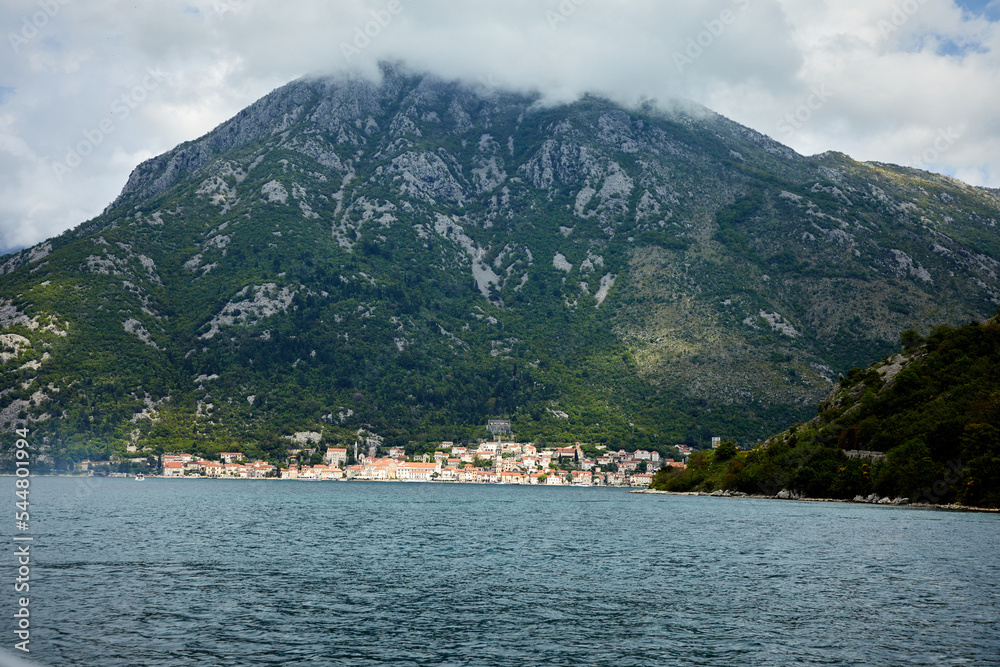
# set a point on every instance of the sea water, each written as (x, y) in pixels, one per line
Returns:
(245, 572)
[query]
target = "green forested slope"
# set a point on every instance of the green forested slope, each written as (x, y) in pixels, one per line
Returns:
(933, 410)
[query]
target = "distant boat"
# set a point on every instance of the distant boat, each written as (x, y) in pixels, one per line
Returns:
(140, 478)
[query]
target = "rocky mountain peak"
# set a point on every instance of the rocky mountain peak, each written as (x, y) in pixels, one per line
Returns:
(419, 255)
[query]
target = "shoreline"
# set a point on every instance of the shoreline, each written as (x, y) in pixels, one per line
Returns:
(280, 479)
(729, 494)
(713, 494)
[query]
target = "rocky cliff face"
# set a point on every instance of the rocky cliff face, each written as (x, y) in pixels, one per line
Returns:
(417, 255)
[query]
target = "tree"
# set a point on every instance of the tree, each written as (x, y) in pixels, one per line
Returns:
(981, 449)
(909, 339)
(908, 469)
(725, 451)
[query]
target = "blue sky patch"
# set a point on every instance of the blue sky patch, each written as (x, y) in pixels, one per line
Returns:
(949, 47)
(988, 9)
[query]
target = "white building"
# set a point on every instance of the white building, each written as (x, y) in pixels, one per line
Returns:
(173, 469)
(417, 472)
(335, 457)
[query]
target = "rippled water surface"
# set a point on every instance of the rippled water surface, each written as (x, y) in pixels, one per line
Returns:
(200, 572)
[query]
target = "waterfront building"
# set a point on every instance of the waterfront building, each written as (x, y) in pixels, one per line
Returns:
(417, 472)
(173, 469)
(335, 456)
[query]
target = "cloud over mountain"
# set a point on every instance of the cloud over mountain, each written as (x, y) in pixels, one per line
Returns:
(894, 75)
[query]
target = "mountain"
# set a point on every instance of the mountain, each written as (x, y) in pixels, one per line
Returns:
(408, 258)
(920, 425)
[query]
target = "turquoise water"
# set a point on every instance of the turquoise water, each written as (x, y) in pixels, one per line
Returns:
(201, 572)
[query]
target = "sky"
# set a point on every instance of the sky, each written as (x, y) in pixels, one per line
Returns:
(91, 88)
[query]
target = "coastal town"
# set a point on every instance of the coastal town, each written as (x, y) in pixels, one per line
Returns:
(498, 459)
(487, 463)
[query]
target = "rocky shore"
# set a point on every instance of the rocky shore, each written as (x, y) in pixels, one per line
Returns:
(785, 494)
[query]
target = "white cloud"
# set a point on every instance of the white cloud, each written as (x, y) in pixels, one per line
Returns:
(877, 79)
